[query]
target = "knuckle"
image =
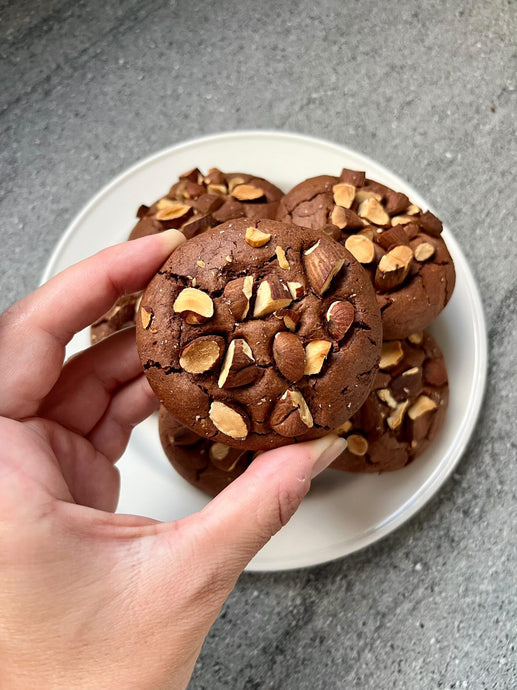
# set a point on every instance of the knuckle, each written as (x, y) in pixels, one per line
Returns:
(288, 501)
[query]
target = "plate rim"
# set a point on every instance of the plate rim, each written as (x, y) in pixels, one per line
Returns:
(480, 342)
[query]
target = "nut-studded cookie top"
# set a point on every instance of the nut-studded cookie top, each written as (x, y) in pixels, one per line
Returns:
(398, 244)
(198, 202)
(260, 334)
(404, 411)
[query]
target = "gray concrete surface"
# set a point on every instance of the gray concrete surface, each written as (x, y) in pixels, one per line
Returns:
(428, 89)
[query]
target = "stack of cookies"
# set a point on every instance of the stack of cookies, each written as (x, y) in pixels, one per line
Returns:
(285, 318)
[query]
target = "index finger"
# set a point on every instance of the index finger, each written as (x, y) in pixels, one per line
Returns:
(35, 330)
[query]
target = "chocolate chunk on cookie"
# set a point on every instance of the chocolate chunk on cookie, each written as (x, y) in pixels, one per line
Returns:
(207, 465)
(194, 203)
(399, 245)
(260, 334)
(403, 413)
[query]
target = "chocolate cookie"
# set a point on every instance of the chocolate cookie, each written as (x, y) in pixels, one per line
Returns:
(193, 204)
(398, 244)
(206, 465)
(404, 411)
(260, 334)
(198, 202)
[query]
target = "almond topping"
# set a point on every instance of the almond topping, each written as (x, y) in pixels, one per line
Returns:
(200, 263)
(384, 394)
(364, 194)
(367, 232)
(373, 210)
(282, 260)
(218, 451)
(393, 267)
(234, 182)
(238, 294)
(256, 238)
(290, 318)
(315, 354)
(228, 421)
(247, 192)
(422, 405)
(345, 218)
(239, 366)
(391, 354)
(402, 220)
(416, 338)
(340, 316)
(296, 289)
(323, 261)
(344, 194)
(289, 355)
(357, 444)
(202, 354)
(165, 202)
(361, 248)
(175, 210)
(424, 251)
(291, 415)
(219, 189)
(413, 210)
(146, 316)
(194, 305)
(224, 457)
(271, 295)
(397, 416)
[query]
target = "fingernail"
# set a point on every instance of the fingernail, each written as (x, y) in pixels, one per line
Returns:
(171, 238)
(325, 450)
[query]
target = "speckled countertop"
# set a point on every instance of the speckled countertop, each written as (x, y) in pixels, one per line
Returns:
(429, 90)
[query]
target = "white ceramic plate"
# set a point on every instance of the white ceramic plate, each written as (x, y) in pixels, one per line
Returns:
(343, 512)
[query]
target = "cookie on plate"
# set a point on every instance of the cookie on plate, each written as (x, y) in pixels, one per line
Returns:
(193, 204)
(260, 334)
(207, 465)
(403, 413)
(197, 202)
(399, 245)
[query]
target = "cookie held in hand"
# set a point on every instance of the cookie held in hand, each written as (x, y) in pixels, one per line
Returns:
(399, 245)
(260, 334)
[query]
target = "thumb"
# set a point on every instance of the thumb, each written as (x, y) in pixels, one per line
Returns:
(237, 523)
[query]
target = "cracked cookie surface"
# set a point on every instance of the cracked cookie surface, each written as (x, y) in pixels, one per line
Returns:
(398, 244)
(403, 413)
(260, 334)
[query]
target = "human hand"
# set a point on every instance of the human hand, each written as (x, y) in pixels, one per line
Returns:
(90, 598)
